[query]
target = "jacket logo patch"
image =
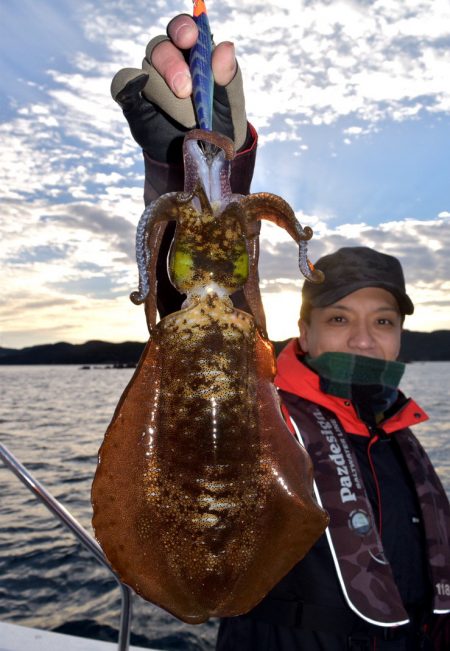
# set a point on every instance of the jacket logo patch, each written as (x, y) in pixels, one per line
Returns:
(443, 589)
(340, 456)
(359, 522)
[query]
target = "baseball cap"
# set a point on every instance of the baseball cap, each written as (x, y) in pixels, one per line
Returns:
(352, 268)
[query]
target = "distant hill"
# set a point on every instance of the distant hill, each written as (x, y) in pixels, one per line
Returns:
(425, 346)
(91, 352)
(416, 347)
(6, 351)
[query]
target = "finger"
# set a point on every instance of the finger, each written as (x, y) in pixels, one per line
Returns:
(224, 64)
(183, 31)
(168, 60)
(127, 85)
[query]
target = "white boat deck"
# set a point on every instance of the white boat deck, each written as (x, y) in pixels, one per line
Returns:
(22, 638)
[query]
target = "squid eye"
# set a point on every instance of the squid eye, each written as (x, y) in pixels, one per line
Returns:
(182, 264)
(240, 270)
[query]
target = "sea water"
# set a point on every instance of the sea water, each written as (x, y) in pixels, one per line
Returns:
(53, 419)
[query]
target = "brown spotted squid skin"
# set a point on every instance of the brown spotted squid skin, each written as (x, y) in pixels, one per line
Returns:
(202, 498)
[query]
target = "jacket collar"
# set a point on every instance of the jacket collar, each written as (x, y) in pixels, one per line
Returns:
(295, 377)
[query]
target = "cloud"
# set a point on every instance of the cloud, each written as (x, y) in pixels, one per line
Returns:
(421, 246)
(100, 286)
(72, 176)
(96, 221)
(40, 253)
(324, 60)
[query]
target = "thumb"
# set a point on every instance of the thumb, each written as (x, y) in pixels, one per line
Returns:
(127, 85)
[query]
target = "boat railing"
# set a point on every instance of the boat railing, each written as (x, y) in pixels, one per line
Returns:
(60, 512)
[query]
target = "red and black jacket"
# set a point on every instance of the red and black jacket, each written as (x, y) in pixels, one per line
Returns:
(344, 592)
(376, 482)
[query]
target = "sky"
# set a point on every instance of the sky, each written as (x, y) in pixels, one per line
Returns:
(351, 100)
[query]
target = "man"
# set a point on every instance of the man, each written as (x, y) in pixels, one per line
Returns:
(373, 580)
(368, 583)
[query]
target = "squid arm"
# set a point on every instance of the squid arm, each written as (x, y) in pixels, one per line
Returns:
(270, 207)
(273, 208)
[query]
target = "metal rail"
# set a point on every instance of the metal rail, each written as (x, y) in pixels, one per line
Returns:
(58, 510)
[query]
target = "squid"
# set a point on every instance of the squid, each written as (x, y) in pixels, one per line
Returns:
(202, 497)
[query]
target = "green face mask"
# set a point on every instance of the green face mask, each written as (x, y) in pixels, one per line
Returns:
(370, 383)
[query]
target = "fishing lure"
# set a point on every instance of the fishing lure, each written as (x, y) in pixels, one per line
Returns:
(200, 65)
(202, 498)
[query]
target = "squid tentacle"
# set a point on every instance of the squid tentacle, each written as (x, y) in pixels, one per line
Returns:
(163, 209)
(306, 266)
(138, 297)
(251, 287)
(273, 208)
(153, 243)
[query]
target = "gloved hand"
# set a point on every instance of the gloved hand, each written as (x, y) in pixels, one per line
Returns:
(156, 98)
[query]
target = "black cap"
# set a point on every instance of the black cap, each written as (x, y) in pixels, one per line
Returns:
(352, 268)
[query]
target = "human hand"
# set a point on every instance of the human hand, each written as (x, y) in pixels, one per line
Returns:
(156, 98)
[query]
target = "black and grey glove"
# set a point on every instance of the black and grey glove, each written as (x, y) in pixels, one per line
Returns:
(159, 120)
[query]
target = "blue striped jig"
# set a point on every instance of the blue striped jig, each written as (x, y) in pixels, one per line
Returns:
(200, 67)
